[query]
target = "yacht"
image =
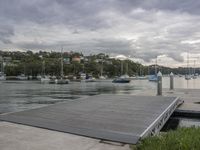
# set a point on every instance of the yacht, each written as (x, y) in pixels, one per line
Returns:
(188, 76)
(44, 78)
(61, 80)
(153, 77)
(22, 77)
(122, 79)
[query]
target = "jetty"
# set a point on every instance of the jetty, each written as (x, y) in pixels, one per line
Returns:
(118, 118)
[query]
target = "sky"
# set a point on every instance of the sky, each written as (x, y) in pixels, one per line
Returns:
(141, 30)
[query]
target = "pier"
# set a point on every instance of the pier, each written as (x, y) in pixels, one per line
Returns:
(119, 118)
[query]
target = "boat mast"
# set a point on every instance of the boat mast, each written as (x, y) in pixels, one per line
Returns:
(61, 61)
(102, 67)
(188, 63)
(43, 68)
(127, 67)
(121, 67)
(156, 66)
(194, 66)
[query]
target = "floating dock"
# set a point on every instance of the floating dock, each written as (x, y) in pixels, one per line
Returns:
(119, 118)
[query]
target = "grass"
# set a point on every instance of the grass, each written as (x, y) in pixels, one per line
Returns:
(180, 139)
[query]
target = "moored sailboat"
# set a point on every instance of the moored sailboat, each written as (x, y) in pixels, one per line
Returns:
(61, 80)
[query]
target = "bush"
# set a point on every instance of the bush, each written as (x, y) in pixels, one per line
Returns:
(180, 139)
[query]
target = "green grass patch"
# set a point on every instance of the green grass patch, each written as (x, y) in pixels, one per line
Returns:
(180, 139)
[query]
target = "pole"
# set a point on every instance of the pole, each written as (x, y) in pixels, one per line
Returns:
(122, 67)
(159, 84)
(171, 81)
(61, 61)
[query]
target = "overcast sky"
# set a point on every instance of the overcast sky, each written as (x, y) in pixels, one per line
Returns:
(139, 29)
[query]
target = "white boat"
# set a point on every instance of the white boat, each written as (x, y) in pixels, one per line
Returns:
(83, 76)
(102, 78)
(188, 77)
(61, 80)
(2, 76)
(22, 77)
(45, 79)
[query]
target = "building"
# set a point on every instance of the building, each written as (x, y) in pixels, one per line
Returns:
(76, 59)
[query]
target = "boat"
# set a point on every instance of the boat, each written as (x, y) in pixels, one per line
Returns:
(22, 77)
(44, 78)
(122, 79)
(52, 80)
(61, 80)
(82, 76)
(153, 78)
(102, 78)
(89, 78)
(2, 75)
(194, 71)
(188, 76)
(194, 77)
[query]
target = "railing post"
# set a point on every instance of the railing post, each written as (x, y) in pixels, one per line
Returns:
(159, 83)
(171, 81)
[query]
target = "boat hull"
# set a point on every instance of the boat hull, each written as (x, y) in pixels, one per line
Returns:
(121, 81)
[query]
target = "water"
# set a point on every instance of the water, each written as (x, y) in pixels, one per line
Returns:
(22, 95)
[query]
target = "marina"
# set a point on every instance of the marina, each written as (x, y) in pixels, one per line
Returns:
(102, 110)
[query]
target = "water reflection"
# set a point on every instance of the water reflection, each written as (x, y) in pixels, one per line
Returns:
(175, 122)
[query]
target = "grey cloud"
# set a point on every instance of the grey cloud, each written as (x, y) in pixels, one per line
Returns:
(84, 17)
(6, 32)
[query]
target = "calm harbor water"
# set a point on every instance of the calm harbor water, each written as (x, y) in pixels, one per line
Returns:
(22, 95)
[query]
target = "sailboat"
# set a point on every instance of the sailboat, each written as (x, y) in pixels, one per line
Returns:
(194, 71)
(188, 76)
(61, 80)
(22, 76)
(101, 73)
(2, 75)
(154, 77)
(123, 78)
(44, 77)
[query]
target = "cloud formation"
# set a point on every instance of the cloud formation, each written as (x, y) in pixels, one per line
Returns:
(140, 29)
